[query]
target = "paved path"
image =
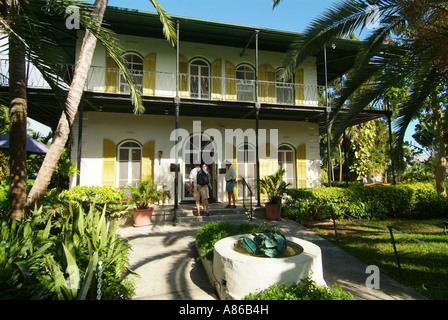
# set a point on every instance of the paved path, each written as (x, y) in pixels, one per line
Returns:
(164, 255)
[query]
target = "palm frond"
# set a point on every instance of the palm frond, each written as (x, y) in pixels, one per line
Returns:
(338, 22)
(169, 29)
(423, 86)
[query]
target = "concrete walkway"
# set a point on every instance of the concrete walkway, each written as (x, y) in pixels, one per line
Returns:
(164, 255)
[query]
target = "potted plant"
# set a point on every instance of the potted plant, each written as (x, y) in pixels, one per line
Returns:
(274, 188)
(142, 197)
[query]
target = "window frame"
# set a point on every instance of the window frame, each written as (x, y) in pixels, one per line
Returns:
(137, 74)
(201, 92)
(284, 148)
(245, 85)
(131, 178)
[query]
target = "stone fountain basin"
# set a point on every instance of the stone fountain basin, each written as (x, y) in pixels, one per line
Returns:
(238, 274)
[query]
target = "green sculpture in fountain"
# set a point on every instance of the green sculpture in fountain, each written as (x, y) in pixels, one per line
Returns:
(270, 244)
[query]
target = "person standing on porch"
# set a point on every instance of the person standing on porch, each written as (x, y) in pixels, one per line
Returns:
(230, 183)
(198, 191)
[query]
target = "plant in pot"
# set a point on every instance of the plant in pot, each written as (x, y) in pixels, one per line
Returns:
(142, 197)
(274, 187)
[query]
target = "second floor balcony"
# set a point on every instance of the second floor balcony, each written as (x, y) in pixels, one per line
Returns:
(242, 87)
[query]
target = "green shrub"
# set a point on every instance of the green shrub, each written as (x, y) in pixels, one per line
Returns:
(99, 196)
(212, 232)
(306, 289)
(36, 253)
(416, 200)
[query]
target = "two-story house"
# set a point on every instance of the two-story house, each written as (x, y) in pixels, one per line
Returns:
(212, 97)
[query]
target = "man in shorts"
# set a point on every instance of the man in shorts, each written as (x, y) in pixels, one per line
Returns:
(197, 190)
(230, 183)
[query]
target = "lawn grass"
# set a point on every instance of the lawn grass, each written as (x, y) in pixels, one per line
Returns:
(424, 268)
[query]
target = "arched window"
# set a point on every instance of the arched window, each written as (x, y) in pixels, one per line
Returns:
(129, 163)
(286, 160)
(199, 79)
(285, 91)
(245, 83)
(246, 164)
(135, 66)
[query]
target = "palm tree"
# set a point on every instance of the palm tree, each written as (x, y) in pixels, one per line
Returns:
(27, 39)
(408, 44)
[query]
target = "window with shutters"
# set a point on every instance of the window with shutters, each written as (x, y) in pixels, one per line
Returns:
(285, 91)
(245, 83)
(135, 66)
(199, 79)
(129, 163)
(286, 161)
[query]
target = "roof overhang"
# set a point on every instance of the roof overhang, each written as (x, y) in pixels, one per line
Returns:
(44, 108)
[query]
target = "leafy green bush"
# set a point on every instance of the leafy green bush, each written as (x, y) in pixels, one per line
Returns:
(100, 196)
(416, 200)
(306, 289)
(4, 193)
(212, 232)
(56, 257)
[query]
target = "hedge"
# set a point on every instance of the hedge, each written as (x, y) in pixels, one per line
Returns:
(416, 200)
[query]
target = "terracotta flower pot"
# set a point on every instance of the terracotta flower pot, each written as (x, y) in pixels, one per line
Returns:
(142, 217)
(271, 211)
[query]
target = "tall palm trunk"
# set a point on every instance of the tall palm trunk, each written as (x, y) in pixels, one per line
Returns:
(17, 136)
(71, 105)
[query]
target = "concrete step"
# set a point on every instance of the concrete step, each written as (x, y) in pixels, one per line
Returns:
(213, 211)
(218, 214)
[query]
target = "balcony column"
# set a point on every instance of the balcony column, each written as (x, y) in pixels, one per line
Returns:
(177, 107)
(257, 116)
(328, 118)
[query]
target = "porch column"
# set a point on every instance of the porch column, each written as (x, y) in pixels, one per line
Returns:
(257, 108)
(177, 106)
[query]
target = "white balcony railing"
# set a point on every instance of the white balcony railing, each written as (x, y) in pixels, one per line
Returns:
(163, 84)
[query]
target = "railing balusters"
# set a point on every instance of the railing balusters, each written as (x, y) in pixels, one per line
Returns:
(284, 93)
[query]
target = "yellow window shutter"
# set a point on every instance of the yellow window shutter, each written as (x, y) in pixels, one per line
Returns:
(149, 75)
(217, 79)
(268, 163)
(266, 77)
(299, 87)
(148, 156)
(230, 81)
(109, 163)
(111, 76)
(183, 77)
(301, 166)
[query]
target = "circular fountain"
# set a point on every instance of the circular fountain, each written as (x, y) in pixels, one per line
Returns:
(239, 273)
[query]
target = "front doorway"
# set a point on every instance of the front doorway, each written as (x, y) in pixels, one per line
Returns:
(194, 151)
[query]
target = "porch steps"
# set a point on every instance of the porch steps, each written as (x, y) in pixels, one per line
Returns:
(216, 214)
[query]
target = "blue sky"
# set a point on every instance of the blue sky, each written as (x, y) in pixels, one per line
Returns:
(289, 15)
